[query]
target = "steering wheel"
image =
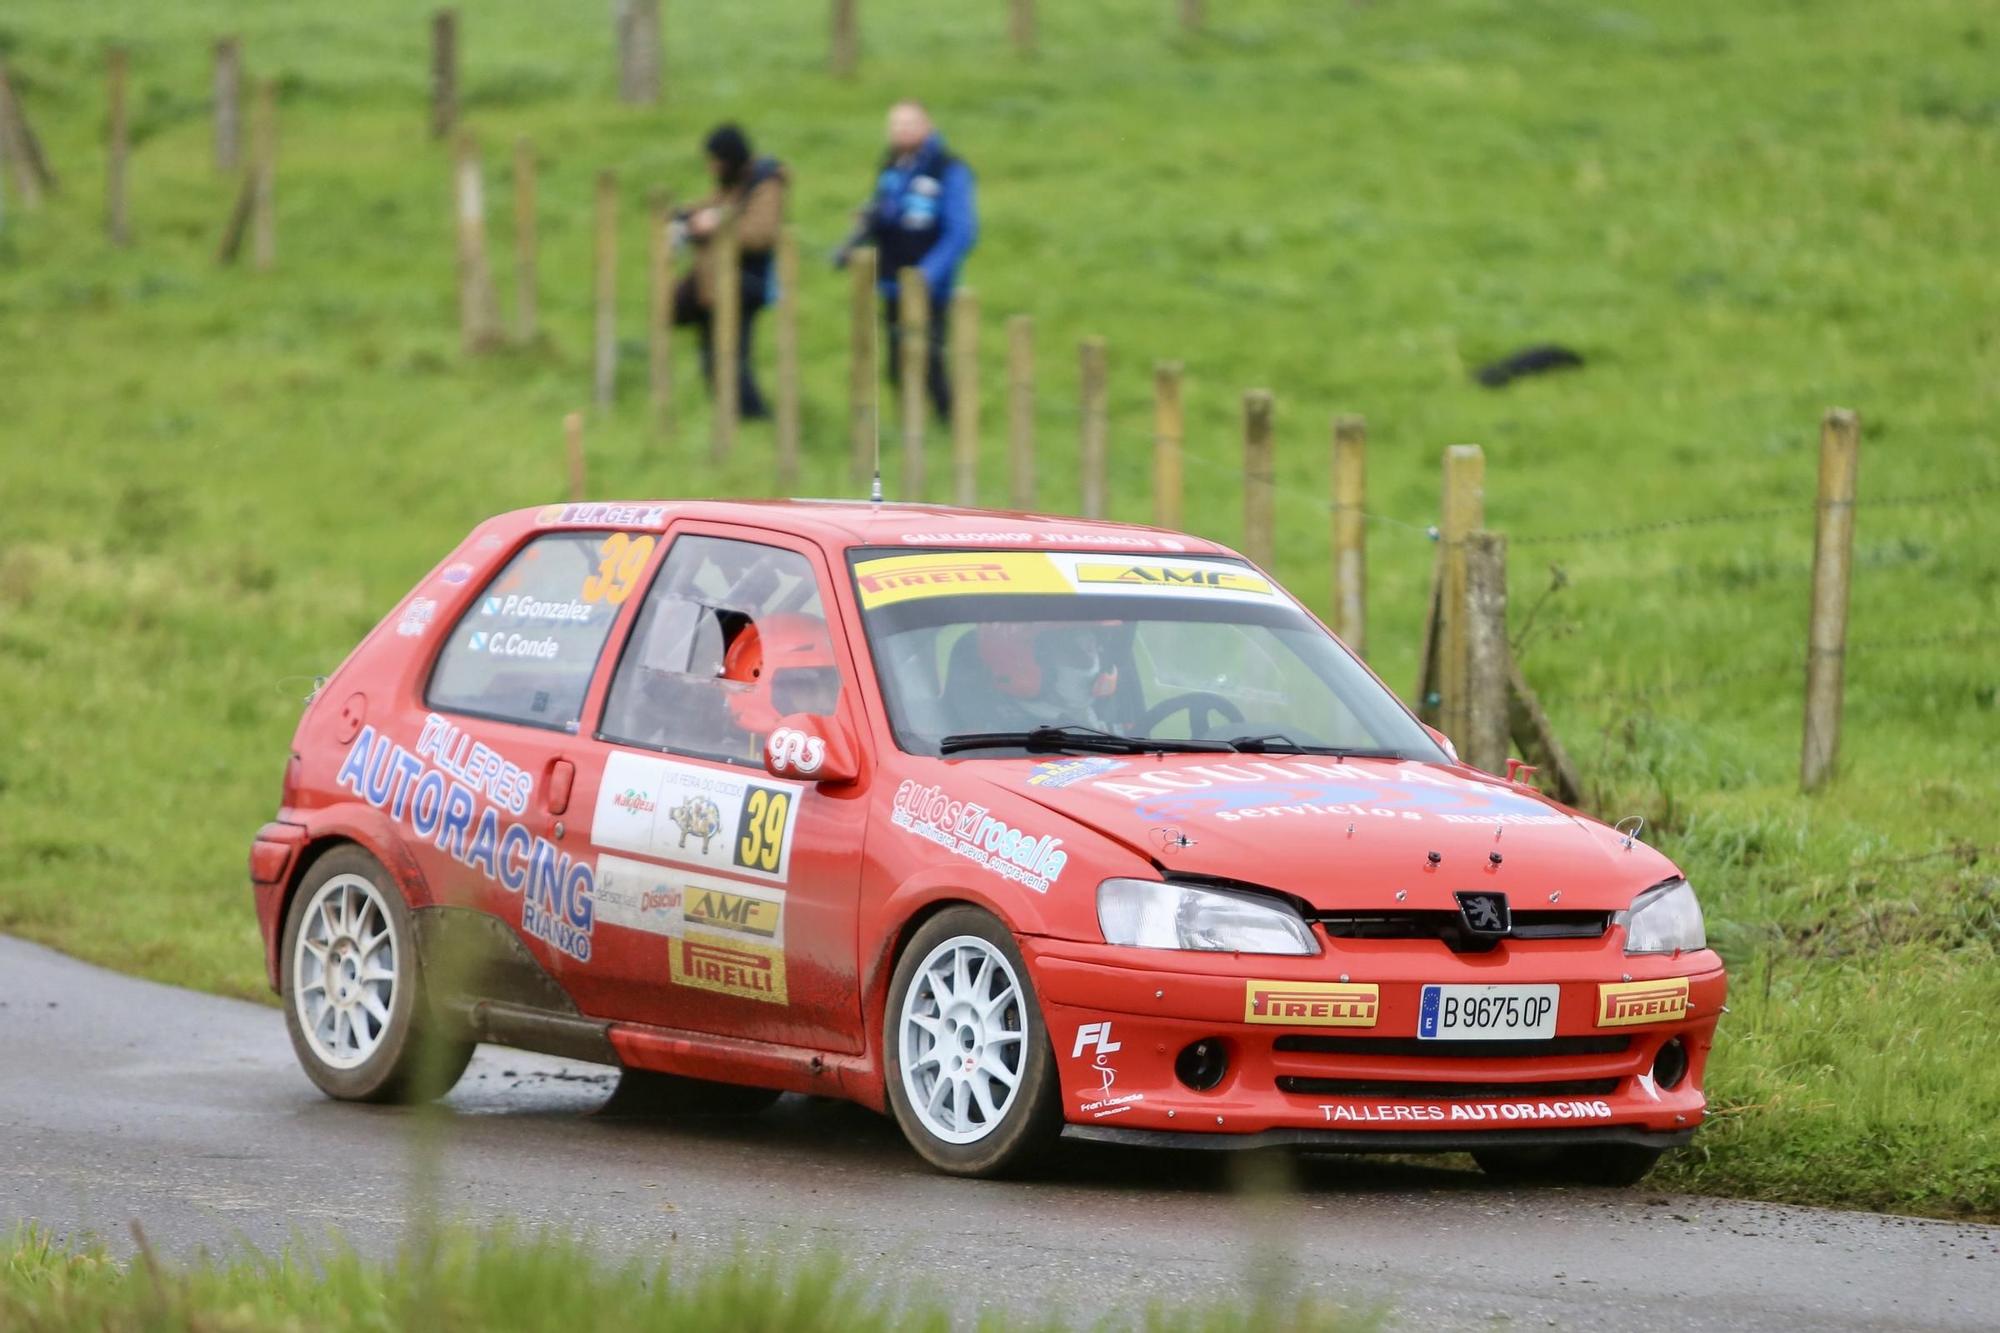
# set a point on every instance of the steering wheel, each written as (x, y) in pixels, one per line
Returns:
(1198, 704)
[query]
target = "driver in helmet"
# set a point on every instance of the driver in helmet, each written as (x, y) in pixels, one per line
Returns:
(1048, 673)
(776, 666)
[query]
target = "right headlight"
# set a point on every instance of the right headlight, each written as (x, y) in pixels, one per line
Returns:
(1150, 914)
(1665, 919)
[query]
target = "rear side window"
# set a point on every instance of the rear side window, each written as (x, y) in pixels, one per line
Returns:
(525, 650)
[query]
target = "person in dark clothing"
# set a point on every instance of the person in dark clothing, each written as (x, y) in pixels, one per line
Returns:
(753, 189)
(923, 216)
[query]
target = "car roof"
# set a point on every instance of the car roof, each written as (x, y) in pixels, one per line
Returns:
(845, 523)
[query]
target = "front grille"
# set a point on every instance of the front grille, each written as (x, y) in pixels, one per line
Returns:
(1423, 1091)
(1411, 1047)
(1449, 928)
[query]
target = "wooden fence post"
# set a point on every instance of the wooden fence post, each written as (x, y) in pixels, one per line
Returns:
(638, 35)
(1488, 692)
(965, 397)
(1833, 564)
(1169, 429)
(21, 149)
(264, 174)
(1096, 436)
(1192, 16)
(1021, 411)
(1464, 514)
(1021, 25)
(573, 454)
(478, 307)
(228, 87)
(846, 37)
(527, 302)
(913, 310)
(1259, 479)
(1350, 533)
(659, 314)
(788, 406)
(864, 379)
(726, 351)
(444, 72)
(116, 146)
(604, 379)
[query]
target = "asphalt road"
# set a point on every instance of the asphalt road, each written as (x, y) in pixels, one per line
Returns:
(122, 1100)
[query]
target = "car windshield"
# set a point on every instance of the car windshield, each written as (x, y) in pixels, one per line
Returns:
(991, 653)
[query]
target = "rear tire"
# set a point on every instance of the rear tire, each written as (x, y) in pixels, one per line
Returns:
(1615, 1165)
(971, 1079)
(643, 1094)
(353, 988)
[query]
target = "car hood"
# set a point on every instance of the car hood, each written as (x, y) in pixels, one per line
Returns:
(1341, 833)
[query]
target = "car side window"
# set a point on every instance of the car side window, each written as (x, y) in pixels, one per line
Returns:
(525, 650)
(732, 637)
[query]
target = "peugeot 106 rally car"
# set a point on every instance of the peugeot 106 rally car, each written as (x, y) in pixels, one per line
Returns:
(1012, 826)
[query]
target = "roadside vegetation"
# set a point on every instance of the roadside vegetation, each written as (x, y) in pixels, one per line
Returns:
(215, 481)
(512, 1284)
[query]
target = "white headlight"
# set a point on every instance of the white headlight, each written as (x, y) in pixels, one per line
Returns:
(1666, 919)
(1148, 914)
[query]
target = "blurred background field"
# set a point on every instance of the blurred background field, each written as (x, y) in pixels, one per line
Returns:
(216, 480)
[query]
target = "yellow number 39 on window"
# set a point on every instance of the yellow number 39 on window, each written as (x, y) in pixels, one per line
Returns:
(622, 559)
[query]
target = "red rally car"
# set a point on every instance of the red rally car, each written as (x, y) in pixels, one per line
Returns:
(1012, 826)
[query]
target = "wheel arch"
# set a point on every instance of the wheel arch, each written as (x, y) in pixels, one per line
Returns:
(402, 869)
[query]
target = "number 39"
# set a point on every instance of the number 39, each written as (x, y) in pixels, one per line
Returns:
(622, 560)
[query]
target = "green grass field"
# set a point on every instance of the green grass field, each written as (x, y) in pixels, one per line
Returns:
(215, 481)
(511, 1284)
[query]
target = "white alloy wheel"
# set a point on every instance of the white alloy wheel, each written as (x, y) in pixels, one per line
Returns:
(347, 966)
(963, 1036)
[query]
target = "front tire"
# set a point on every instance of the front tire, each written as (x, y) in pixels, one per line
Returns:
(972, 1080)
(1616, 1165)
(353, 988)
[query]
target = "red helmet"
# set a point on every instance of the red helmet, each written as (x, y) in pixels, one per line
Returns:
(1018, 653)
(782, 664)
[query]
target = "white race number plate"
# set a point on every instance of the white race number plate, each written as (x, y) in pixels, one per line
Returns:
(1487, 1013)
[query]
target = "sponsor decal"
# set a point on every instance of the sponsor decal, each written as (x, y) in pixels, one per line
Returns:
(610, 515)
(515, 606)
(901, 578)
(666, 900)
(416, 617)
(1625, 1003)
(1181, 575)
(1253, 789)
(965, 829)
(1476, 1113)
(1022, 537)
(790, 750)
(711, 818)
(743, 912)
(1312, 1004)
(507, 644)
(1061, 772)
(728, 966)
(1099, 1102)
(455, 574)
(452, 792)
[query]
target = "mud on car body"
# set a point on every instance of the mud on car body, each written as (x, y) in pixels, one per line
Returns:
(1010, 826)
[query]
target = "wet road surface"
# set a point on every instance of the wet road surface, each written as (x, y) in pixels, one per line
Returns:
(122, 1099)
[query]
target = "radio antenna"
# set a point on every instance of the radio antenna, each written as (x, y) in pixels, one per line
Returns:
(875, 357)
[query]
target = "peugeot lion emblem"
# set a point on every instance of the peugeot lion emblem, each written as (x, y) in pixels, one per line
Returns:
(1485, 913)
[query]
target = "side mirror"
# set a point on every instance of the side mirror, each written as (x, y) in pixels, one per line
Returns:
(812, 748)
(1443, 740)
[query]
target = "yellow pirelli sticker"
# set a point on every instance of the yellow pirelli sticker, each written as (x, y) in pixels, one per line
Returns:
(1312, 1004)
(728, 966)
(1185, 576)
(733, 911)
(902, 578)
(1623, 1004)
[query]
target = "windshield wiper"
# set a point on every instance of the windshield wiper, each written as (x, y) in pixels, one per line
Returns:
(1087, 740)
(1276, 742)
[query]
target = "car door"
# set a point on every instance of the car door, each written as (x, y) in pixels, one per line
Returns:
(725, 898)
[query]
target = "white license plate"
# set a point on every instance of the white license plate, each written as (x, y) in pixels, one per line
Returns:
(1487, 1013)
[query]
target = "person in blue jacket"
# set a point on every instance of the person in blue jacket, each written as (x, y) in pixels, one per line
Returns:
(923, 216)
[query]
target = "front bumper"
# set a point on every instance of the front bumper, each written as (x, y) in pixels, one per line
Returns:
(1359, 1079)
